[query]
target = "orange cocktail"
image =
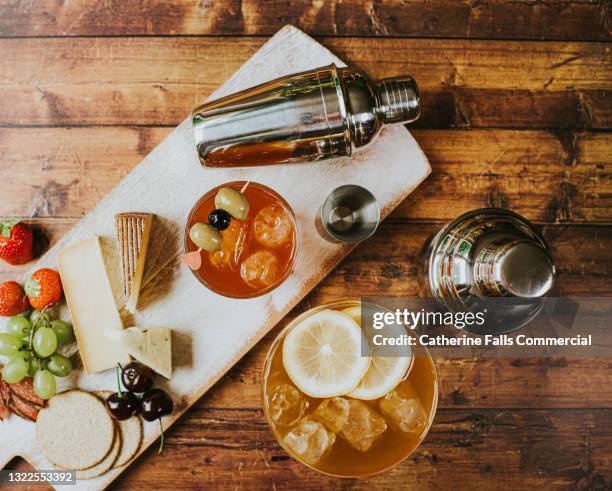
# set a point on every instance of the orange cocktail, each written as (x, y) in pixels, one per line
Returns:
(249, 253)
(318, 414)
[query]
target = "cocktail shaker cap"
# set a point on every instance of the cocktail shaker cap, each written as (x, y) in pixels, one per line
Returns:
(399, 100)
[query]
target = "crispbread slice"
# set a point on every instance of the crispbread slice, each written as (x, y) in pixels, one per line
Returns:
(131, 434)
(107, 462)
(75, 431)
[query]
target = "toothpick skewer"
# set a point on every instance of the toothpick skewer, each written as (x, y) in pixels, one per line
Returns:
(246, 185)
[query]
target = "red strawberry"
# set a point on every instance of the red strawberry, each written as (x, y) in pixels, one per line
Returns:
(44, 288)
(15, 242)
(13, 300)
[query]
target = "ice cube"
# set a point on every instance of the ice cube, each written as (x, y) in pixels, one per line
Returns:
(363, 426)
(272, 226)
(404, 410)
(260, 269)
(233, 239)
(287, 405)
(333, 413)
(309, 439)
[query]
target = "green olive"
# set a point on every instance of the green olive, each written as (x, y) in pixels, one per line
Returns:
(205, 236)
(232, 201)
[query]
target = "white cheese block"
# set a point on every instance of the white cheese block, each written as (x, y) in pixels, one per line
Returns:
(153, 347)
(92, 306)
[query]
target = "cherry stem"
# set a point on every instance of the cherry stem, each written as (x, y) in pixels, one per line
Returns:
(161, 442)
(118, 380)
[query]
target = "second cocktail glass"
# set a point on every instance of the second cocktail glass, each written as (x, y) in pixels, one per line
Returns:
(333, 428)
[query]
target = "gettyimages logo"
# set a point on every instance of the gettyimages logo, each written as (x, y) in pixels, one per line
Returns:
(506, 327)
(412, 319)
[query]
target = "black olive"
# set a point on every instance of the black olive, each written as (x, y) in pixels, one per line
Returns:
(220, 219)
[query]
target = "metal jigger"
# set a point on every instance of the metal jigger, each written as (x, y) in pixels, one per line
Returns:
(490, 260)
(350, 214)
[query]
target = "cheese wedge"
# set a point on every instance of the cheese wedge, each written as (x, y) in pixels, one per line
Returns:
(133, 234)
(92, 305)
(153, 347)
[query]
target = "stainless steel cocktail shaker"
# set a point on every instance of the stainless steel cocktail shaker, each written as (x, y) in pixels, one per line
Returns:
(491, 260)
(318, 114)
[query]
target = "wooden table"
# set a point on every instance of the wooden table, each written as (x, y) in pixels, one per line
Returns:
(517, 107)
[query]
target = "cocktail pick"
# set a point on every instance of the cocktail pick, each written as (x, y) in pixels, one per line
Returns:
(192, 259)
(246, 185)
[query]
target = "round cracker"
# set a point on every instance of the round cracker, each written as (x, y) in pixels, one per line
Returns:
(106, 464)
(75, 431)
(131, 434)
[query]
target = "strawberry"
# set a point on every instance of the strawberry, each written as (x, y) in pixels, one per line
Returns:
(15, 242)
(44, 288)
(13, 300)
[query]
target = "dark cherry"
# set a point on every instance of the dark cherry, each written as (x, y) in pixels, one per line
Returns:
(220, 219)
(155, 404)
(122, 406)
(137, 377)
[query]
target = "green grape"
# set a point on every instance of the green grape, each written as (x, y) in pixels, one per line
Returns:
(53, 312)
(59, 365)
(33, 366)
(25, 355)
(45, 342)
(35, 315)
(63, 331)
(44, 384)
(15, 370)
(9, 345)
(18, 326)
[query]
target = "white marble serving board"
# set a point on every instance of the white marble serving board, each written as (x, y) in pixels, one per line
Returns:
(211, 333)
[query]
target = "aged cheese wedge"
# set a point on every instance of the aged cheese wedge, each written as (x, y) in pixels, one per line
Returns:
(153, 347)
(133, 234)
(92, 306)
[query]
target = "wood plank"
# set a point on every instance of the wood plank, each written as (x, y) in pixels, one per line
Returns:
(157, 81)
(497, 19)
(548, 176)
(494, 449)
(387, 264)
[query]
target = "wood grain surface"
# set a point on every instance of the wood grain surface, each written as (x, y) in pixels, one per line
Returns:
(157, 80)
(517, 109)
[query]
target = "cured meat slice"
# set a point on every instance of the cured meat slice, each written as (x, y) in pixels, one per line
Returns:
(25, 391)
(23, 409)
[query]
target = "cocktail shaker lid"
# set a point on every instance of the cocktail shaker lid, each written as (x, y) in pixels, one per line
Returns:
(399, 100)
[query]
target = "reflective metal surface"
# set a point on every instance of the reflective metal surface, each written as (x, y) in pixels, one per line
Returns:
(488, 254)
(314, 115)
(349, 214)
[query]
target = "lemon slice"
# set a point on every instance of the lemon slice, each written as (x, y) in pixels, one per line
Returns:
(383, 375)
(322, 354)
(354, 312)
(384, 372)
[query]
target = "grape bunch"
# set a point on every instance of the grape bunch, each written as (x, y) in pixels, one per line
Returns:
(31, 344)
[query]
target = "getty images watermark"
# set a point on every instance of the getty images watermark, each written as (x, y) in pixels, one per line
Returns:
(555, 326)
